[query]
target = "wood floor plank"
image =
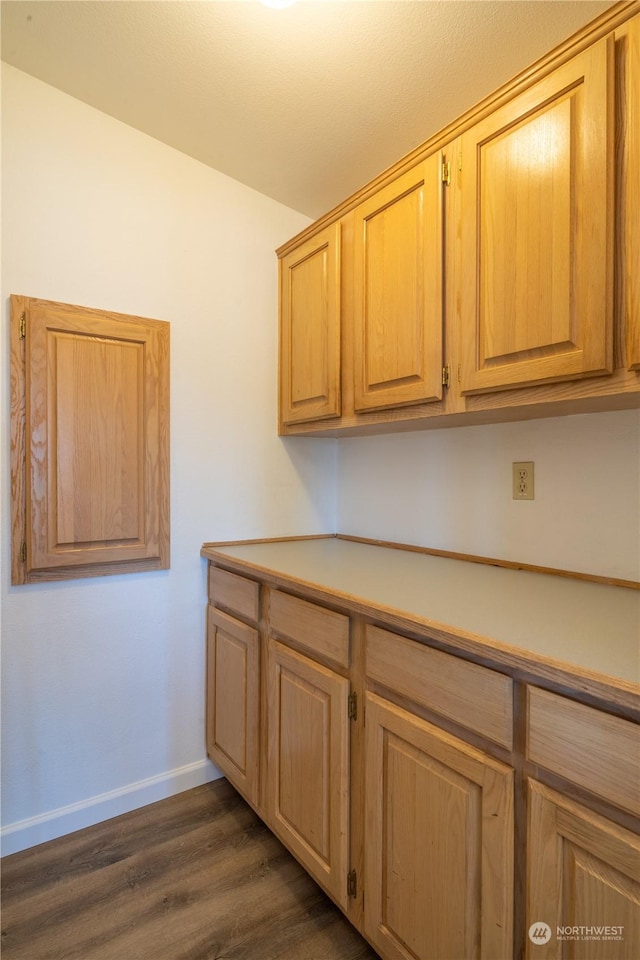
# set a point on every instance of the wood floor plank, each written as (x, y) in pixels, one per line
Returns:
(194, 877)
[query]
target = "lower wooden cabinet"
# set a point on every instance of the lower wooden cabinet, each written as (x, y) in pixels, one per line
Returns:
(308, 764)
(415, 785)
(233, 700)
(438, 842)
(583, 889)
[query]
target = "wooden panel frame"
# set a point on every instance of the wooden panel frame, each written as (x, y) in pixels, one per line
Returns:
(490, 929)
(593, 749)
(323, 633)
(467, 693)
(627, 261)
(234, 592)
(33, 557)
(554, 821)
(242, 772)
(330, 868)
(588, 350)
(425, 382)
(327, 403)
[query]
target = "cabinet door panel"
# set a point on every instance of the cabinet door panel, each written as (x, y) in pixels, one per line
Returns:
(537, 231)
(438, 842)
(398, 291)
(310, 329)
(308, 764)
(92, 485)
(584, 875)
(629, 256)
(233, 671)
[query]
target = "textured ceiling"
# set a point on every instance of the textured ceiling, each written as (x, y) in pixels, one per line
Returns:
(304, 104)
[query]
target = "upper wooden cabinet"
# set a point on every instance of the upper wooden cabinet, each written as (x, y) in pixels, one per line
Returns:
(537, 222)
(500, 284)
(90, 442)
(397, 317)
(310, 329)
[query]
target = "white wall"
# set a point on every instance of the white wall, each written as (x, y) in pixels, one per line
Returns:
(103, 689)
(451, 489)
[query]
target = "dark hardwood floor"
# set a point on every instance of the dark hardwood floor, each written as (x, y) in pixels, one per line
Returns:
(194, 877)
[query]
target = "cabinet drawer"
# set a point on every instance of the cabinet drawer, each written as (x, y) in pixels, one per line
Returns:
(233, 592)
(592, 749)
(318, 630)
(473, 696)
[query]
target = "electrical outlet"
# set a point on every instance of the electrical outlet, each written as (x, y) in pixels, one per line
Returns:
(523, 480)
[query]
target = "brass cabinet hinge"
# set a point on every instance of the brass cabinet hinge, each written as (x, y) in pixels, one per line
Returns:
(446, 173)
(446, 376)
(352, 884)
(23, 325)
(23, 551)
(352, 707)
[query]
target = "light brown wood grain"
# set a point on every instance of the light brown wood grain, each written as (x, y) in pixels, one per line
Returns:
(534, 364)
(233, 700)
(397, 318)
(538, 226)
(310, 329)
(628, 250)
(91, 390)
(583, 871)
(319, 631)
(438, 842)
(471, 695)
(308, 764)
(237, 594)
(597, 751)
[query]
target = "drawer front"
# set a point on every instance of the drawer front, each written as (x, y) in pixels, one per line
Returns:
(233, 592)
(587, 746)
(475, 697)
(320, 631)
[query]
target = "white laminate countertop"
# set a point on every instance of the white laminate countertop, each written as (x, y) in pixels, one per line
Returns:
(592, 626)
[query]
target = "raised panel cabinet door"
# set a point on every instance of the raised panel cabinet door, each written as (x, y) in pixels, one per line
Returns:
(308, 769)
(537, 227)
(583, 885)
(398, 318)
(233, 700)
(438, 842)
(629, 233)
(95, 434)
(310, 329)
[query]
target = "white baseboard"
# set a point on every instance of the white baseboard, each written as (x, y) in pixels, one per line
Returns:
(57, 823)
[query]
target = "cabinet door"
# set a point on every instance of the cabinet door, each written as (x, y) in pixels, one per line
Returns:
(583, 881)
(233, 707)
(537, 221)
(438, 842)
(89, 441)
(308, 764)
(630, 184)
(398, 291)
(310, 329)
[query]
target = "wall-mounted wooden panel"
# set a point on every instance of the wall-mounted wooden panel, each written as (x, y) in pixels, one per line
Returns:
(90, 442)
